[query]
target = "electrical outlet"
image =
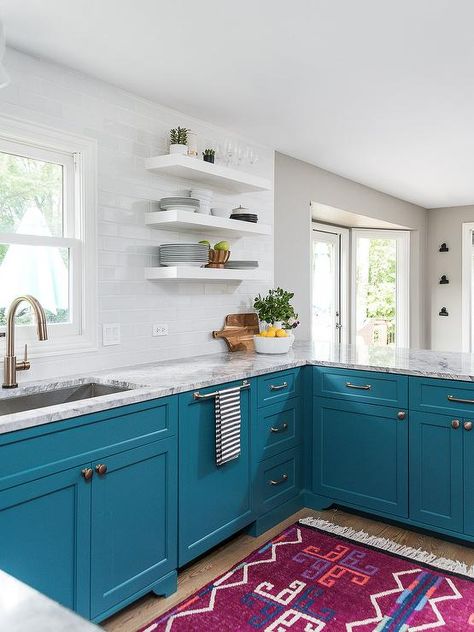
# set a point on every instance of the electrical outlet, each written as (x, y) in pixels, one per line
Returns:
(160, 330)
(110, 334)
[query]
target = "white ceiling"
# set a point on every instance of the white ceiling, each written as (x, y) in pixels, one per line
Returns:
(379, 91)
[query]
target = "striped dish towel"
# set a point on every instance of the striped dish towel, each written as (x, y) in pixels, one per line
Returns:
(227, 410)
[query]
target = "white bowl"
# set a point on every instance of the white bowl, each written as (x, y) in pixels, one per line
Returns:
(221, 212)
(272, 345)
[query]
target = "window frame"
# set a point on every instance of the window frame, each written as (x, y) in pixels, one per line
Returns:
(78, 155)
(402, 238)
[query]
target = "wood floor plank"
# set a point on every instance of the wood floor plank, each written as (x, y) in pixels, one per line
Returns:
(199, 573)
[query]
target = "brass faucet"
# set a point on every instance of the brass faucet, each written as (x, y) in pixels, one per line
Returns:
(10, 365)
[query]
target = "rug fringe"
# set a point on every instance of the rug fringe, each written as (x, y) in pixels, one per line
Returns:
(385, 544)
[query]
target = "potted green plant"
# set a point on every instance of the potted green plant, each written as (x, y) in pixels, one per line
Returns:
(208, 155)
(276, 309)
(179, 141)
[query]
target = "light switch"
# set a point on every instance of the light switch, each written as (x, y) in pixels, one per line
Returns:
(110, 334)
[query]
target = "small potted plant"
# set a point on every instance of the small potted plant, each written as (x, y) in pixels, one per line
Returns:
(179, 141)
(277, 317)
(208, 155)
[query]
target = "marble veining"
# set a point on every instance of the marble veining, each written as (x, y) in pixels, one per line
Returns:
(150, 381)
(23, 608)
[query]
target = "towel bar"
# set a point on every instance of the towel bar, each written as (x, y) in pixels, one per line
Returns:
(197, 395)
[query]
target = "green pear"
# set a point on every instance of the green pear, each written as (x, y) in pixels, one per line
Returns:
(222, 245)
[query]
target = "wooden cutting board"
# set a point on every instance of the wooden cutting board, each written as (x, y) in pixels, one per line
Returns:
(238, 331)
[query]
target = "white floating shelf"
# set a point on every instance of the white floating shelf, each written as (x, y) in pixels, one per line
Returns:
(207, 173)
(199, 223)
(204, 274)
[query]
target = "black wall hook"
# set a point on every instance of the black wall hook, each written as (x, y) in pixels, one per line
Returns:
(444, 247)
(443, 312)
(444, 280)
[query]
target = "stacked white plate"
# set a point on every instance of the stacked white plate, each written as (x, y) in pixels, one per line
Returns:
(195, 255)
(241, 265)
(179, 204)
(205, 198)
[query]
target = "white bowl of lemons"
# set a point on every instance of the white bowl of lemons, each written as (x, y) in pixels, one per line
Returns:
(273, 340)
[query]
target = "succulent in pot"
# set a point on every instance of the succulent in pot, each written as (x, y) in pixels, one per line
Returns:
(208, 155)
(179, 141)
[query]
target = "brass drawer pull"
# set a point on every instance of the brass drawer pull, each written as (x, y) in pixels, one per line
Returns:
(451, 398)
(87, 473)
(281, 428)
(279, 481)
(278, 387)
(363, 387)
(455, 424)
(468, 425)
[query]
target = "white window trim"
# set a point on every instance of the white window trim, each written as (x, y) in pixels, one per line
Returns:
(85, 267)
(344, 276)
(403, 273)
(467, 295)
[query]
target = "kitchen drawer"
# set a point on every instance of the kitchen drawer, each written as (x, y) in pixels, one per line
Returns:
(277, 387)
(370, 387)
(279, 479)
(449, 397)
(35, 452)
(278, 427)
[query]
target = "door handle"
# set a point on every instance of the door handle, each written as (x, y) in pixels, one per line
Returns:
(101, 468)
(401, 415)
(278, 387)
(282, 428)
(279, 481)
(467, 425)
(87, 473)
(362, 387)
(455, 424)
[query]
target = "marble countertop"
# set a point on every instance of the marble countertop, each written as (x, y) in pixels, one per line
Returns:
(23, 608)
(150, 381)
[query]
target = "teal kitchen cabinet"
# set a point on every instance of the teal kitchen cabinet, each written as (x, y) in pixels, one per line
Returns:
(45, 536)
(360, 455)
(88, 506)
(214, 501)
(133, 523)
(436, 470)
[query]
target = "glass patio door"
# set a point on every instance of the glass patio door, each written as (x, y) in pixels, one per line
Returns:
(327, 287)
(380, 283)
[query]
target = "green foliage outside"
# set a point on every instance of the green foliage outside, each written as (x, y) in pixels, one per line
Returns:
(381, 286)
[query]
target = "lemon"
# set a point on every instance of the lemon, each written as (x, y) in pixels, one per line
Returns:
(271, 333)
(263, 334)
(281, 333)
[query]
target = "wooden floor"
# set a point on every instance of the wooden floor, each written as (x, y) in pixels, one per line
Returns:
(221, 559)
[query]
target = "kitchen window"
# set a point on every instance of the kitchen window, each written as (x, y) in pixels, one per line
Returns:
(47, 233)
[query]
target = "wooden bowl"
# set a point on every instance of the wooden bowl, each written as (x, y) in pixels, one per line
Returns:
(217, 258)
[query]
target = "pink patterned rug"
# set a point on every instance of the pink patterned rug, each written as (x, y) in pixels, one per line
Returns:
(318, 576)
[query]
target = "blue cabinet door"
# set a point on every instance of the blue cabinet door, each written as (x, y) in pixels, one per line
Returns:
(134, 523)
(214, 502)
(468, 478)
(45, 536)
(436, 470)
(360, 455)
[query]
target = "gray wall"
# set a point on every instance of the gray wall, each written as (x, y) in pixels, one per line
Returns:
(445, 225)
(297, 183)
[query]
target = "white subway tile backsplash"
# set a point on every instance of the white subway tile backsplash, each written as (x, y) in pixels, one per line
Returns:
(128, 129)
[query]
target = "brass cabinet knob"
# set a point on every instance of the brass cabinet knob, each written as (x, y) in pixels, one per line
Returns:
(101, 469)
(401, 415)
(468, 425)
(455, 424)
(87, 473)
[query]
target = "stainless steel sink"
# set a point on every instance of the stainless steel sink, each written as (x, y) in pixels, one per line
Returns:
(20, 403)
